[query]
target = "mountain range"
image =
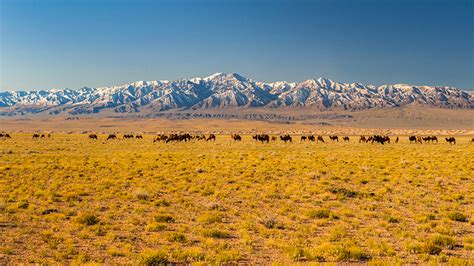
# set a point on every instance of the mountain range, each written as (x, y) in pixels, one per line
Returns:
(225, 91)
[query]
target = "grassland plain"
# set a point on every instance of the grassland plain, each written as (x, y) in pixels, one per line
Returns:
(70, 199)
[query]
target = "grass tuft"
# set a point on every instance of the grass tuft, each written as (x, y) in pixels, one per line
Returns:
(319, 213)
(215, 233)
(153, 258)
(164, 218)
(457, 216)
(87, 219)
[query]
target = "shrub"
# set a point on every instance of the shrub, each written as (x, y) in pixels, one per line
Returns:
(177, 237)
(216, 207)
(344, 192)
(459, 261)
(415, 248)
(209, 218)
(426, 217)
(353, 253)
(162, 202)
(457, 216)
(71, 198)
(319, 213)
(164, 218)
(155, 227)
(142, 195)
(214, 233)
(337, 234)
(23, 205)
(152, 258)
(393, 220)
(88, 219)
(444, 241)
(271, 223)
(431, 248)
(345, 252)
(100, 231)
(435, 245)
(297, 253)
(187, 255)
(115, 252)
(227, 256)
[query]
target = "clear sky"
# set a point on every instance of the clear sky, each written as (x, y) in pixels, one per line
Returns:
(76, 43)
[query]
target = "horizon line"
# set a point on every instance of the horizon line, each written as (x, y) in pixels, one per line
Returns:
(232, 73)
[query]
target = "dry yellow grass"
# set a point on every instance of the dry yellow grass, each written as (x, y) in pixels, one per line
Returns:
(70, 199)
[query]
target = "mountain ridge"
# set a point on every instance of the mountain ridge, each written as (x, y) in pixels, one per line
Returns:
(223, 91)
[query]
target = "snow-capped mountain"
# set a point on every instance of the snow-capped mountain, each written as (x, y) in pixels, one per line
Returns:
(229, 91)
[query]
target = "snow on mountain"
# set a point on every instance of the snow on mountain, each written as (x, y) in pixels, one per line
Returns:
(223, 90)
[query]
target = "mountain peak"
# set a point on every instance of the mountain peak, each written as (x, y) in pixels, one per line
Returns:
(145, 83)
(325, 81)
(215, 75)
(222, 76)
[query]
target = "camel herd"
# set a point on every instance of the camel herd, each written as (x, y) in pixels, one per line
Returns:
(37, 136)
(263, 138)
(182, 137)
(5, 136)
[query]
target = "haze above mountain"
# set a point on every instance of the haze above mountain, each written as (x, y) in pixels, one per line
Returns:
(227, 91)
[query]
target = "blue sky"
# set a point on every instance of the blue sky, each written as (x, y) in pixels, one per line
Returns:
(76, 43)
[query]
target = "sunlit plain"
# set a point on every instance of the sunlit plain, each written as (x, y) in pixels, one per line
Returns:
(71, 199)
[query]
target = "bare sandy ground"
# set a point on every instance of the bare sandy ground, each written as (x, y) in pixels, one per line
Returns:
(403, 121)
